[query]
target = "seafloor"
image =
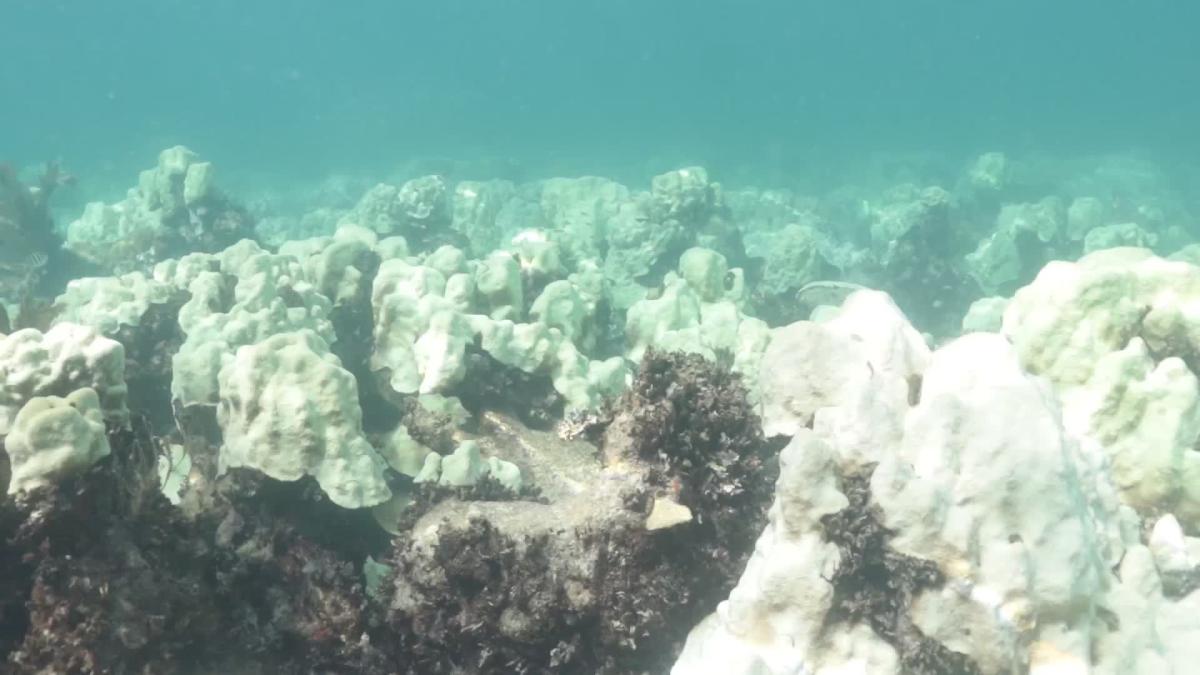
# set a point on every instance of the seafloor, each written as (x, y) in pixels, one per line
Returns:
(439, 425)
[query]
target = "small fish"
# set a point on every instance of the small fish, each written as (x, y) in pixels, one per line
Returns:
(19, 276)
(17, 246)
(826, 293)
(29, 264)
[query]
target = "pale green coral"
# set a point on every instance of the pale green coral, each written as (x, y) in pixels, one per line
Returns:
(474, 208)
(339, 266)
(561, 306)
(108, 303)
(1084, 215)
(985, 315)
(62, 360)
(402, 452)
(54, 437)
(539, 255)
(420, 336)
(288, 409)
(498, 282)
(174, 204)
(578, 213)
(448, 260)
(269, 296)
(697, 311)
(410, 210)
(1118, 334)
(792, 257)
(466, 466)
(1003, 257)
(1118, 235)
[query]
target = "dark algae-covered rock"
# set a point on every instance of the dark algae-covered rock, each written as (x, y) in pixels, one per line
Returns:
(585, 580)
(876, 585)
(101, 574)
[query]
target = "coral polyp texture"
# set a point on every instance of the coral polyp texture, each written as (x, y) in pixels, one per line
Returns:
(1118, 334)
(946, 425)
(288, 409)
(53, 437)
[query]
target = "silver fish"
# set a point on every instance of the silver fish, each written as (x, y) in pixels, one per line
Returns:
(832, 293)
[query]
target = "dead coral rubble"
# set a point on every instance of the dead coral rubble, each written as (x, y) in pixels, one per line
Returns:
(694, 422)
(111, 580)
(581, 583)
(102, 575)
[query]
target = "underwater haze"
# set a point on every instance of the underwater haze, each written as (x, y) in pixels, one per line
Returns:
(590, 86)
(633, 337)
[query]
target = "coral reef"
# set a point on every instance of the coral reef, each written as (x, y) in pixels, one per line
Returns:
(141, 314)
(175, 209)
(102, 574)
(55, 363)
(1116, 334)
(568, 425)
(977, 544)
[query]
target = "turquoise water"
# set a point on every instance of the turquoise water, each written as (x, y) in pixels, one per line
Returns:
(409, 419)
(754, 89)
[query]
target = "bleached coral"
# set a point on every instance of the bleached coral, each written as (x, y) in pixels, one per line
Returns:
(975, 480)
(54, 437)
(987, 484)
(414, 210)
(867, 347)
(254, 295)
(1118, 333)
(699, 311)
(175, 208)
(66, 358)
(108, 303)
(420, 334)
(288, 409)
